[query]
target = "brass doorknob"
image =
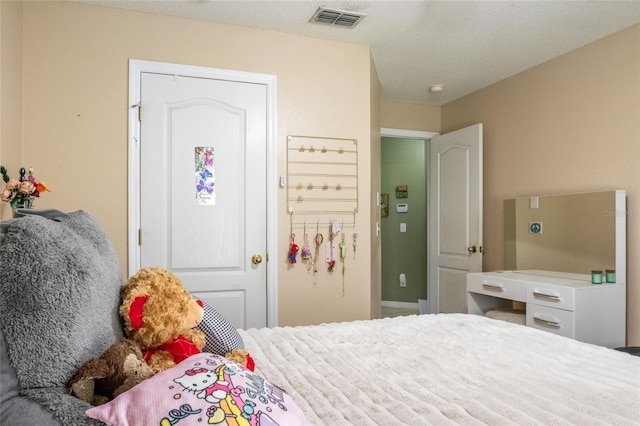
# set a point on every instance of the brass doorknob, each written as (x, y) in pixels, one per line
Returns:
(256, 259)
(472, 249)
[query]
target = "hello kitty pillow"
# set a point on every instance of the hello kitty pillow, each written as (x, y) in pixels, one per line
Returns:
(203, 389)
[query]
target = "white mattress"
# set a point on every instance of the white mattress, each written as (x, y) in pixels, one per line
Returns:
(446, 369)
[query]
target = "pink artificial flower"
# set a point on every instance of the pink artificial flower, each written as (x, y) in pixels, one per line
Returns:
(26, 187)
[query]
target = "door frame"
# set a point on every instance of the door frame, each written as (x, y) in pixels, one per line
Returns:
(136, 68)
(425, 136)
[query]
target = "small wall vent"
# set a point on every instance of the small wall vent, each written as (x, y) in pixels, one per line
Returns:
(340, 18)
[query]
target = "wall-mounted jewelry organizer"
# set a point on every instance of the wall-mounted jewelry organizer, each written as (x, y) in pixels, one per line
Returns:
(322, 175)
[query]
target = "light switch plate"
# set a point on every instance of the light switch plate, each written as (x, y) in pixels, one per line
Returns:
(533, 202)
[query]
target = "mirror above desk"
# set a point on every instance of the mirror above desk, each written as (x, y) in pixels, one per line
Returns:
(552, 243)
(567, 234)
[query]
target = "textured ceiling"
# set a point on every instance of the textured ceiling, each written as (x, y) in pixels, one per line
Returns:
(463, 45)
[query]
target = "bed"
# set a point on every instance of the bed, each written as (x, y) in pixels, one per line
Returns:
(425, 369)
(446, 369)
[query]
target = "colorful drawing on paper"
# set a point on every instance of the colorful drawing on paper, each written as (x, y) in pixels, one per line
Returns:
(205, 176)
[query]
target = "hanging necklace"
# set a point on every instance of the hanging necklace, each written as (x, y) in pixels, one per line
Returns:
(355, 234)
(318, 242)
(343, 255)
(306, 251)
(331, 250)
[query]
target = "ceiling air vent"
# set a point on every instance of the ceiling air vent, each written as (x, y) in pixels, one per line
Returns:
(341, 18)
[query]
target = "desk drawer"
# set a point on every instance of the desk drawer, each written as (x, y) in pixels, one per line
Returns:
(505, 289)
(551, 295)
(556, 321)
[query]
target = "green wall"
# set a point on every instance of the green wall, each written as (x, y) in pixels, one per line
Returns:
(403, 163)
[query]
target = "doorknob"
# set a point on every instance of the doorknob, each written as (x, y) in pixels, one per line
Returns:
(472, 249)
(256, 259)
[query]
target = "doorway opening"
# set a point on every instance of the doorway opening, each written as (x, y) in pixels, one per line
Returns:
(404, 224)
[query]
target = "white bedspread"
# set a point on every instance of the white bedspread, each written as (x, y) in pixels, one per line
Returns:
(446, 369)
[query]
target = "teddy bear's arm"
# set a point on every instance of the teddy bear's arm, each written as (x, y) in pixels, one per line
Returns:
(160, 361)
(196, 337)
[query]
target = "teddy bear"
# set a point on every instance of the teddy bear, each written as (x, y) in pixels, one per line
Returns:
(160, 314)
(117, 370)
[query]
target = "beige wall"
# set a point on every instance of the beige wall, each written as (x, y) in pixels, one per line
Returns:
(75, 120)
(571, 124)
(404, 116)
(10, 89)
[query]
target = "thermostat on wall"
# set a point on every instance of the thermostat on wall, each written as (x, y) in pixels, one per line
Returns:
(402, 208)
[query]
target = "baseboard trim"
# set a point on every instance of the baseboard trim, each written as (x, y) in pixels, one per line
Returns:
(402, 305)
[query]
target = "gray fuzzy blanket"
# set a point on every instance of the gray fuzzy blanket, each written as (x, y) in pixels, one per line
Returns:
(59, 299)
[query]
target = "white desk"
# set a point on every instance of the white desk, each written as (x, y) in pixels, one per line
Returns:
(564, 304)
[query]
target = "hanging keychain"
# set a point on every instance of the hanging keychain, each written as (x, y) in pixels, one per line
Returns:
(293, 249)
(331, 252)
(343, 248)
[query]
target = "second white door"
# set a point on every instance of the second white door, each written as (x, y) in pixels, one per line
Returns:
(455, 216)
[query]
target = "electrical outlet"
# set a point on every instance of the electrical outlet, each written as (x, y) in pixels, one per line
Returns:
(403, 280)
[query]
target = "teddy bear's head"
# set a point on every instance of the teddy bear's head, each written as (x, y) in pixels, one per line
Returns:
(156, 308)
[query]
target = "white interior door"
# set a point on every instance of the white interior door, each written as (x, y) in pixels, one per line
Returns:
(455, 216)
(203, 191)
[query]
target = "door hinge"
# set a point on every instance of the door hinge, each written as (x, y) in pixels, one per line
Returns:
(139, 106)
(139, 237)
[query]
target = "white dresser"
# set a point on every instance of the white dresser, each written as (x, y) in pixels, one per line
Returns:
(564, 304)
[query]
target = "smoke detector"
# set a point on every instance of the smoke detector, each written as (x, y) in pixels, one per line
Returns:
(340, 18)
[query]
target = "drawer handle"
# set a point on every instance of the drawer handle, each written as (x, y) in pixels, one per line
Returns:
(546, 322)
(492, 287)
(551, 297)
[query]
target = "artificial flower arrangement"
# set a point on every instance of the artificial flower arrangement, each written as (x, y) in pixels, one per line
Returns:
(21, 192)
